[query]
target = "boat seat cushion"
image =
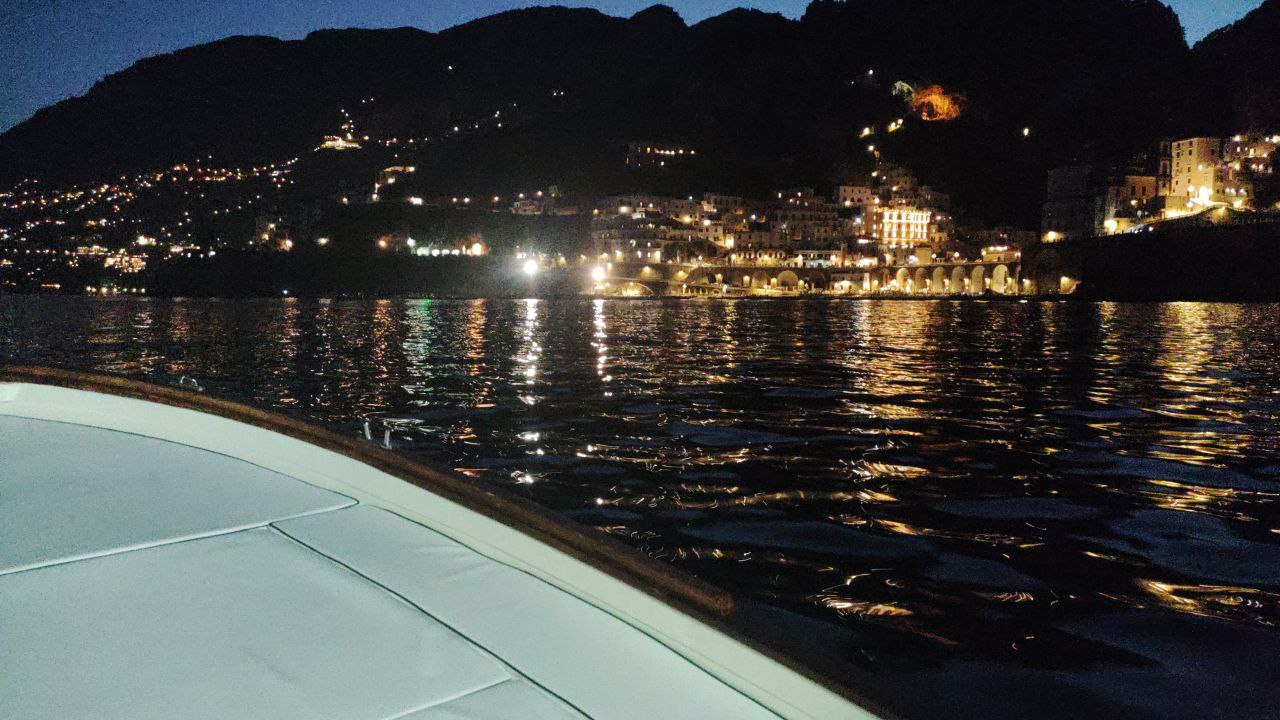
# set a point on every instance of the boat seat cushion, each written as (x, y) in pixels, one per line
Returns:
(248, 624)
(564, 644)
(72, 491)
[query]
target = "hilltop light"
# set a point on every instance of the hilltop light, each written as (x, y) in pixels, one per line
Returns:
(597, 273)
(531, 267)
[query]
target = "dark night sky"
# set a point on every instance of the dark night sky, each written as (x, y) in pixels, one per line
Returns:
(52, 49)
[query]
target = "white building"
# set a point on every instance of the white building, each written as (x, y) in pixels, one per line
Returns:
(1202, 177)
(905, 225)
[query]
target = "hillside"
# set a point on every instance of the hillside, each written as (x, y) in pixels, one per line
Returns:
(1235, 70)
(767, 101)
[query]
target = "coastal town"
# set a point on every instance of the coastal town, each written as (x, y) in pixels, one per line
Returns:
(883, 233)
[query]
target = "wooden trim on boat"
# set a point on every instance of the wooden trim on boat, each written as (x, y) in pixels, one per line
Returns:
(686, 593)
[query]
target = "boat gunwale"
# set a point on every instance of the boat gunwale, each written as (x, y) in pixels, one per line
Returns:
(687, 594)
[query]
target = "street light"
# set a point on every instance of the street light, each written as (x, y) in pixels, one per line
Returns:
(597, 273)
(530, 267)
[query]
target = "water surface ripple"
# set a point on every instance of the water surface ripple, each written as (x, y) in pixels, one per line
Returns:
(996, 509)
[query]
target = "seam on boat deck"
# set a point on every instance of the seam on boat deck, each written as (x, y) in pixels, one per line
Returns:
(166, 466)
(168, 541)
(496, 657)
(747, 702)
(510, 676)
(447, 700)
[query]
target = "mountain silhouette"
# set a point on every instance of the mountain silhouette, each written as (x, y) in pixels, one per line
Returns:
(766, 101)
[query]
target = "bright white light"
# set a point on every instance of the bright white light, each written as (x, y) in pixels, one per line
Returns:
(597, 273)
(530, 267)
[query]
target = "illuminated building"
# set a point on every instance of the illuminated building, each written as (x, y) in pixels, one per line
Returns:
(1206, 173)
(1250, 154)
(1126, 201)
(337, 142)
(855, 195)
(657, 154)
(905, 225)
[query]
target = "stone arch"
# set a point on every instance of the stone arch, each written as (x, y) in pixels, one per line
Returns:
(760, 279)
(957, 280)
(900, 279)
(635, 288)
(977, 280)
(938, 284)
(919, 281)
(1000, 279)
(788, 279)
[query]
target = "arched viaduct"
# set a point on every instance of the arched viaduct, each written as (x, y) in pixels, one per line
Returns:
(973, 278)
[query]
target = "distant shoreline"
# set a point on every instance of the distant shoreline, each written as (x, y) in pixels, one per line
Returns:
(1078, 299)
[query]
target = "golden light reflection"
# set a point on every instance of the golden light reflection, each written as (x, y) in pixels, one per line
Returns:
(1227, 601)
(600, 339)
(531, 350)
(902, 528)
(845, 607)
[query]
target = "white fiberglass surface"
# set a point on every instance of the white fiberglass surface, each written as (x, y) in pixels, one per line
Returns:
(605, 666)
(72, 491)
(110, 506)
(249, 624)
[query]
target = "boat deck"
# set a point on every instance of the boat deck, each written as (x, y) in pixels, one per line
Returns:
(144, 578)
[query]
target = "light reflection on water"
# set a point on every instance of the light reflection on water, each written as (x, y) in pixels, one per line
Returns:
(942, 496)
